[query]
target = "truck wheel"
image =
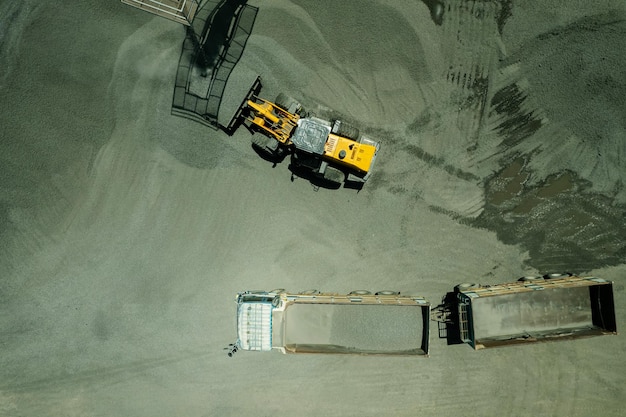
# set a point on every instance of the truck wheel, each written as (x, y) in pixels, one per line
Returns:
(347, 131)
(466, 286)
(359, 292)
(276, 302)
(436, 11)
(334, 176)
(530, 278)
(288, 103)
(387, 293)
(556, 276)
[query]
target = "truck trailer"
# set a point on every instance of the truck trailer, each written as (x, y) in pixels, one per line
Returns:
(384, 323)
(532, 309)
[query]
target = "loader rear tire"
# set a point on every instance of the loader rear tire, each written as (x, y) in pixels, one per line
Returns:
(348, 131)
(334, 176)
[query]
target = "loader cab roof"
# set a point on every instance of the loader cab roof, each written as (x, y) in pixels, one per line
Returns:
(311, 135)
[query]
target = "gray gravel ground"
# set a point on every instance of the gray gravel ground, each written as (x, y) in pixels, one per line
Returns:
(126, 232)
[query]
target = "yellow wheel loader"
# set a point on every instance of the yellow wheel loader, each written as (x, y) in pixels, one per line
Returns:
(328, 153)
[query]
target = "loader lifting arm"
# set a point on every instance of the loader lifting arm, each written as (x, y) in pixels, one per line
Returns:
(272, 119)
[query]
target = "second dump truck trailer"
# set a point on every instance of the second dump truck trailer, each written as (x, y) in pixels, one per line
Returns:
(534, 309)
(360, 322)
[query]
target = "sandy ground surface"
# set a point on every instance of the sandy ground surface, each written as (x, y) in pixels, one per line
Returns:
(126, 232)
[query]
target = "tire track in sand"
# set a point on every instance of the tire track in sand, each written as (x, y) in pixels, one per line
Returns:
(470, 33)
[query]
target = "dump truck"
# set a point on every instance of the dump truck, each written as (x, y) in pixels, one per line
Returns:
(333, 153)
(531, 309)
(384, 323)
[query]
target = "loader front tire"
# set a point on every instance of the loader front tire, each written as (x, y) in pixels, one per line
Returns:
(268, 148)
(288, 103)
